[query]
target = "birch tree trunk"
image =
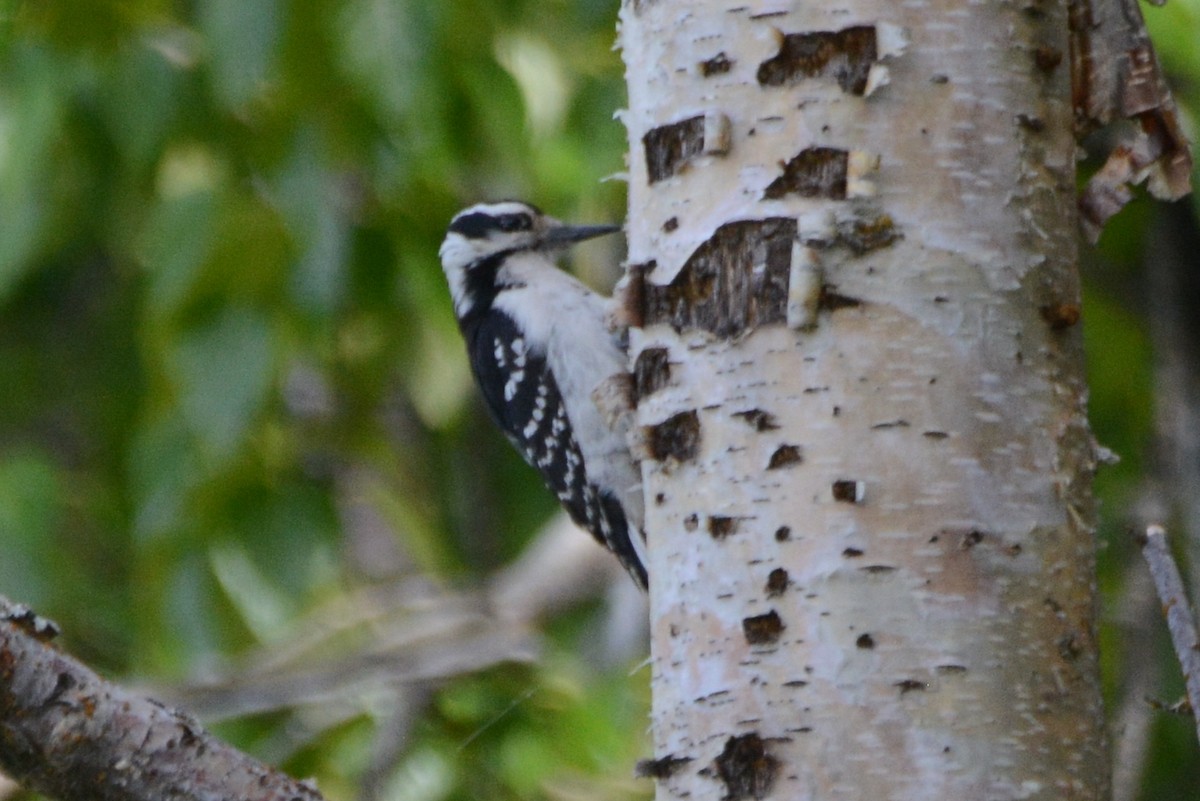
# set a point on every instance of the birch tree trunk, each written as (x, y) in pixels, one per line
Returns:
(853, 282)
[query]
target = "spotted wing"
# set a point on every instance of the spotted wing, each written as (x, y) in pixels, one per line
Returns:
(525, 401)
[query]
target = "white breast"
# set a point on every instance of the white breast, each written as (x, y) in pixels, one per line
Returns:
(553, 307)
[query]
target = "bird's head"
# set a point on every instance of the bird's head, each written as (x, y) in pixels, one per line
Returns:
(480, 236)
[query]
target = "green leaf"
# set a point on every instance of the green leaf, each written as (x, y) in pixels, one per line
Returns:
(174, 247)
(139, 100)
(307, 196)
(242, 38)
(32, 502)
(223, 370)
(381, 48)
(264, 608)
(32, 108)
(163, 468)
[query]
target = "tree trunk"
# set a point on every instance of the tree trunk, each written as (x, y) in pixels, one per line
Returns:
(853, 283)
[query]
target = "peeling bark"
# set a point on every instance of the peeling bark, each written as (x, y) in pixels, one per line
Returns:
(1115, 76)
(734, 281)
(859, 375)
(846, 56)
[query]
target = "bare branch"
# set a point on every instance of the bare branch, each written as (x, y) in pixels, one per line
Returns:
(412, 632)
(1132, 716)
(1180, 620)
(68, 733)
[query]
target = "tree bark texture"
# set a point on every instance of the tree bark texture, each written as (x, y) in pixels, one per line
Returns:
(67, 733)
(855, 339)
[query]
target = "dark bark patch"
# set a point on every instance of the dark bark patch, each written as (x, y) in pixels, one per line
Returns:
(651, 371)
(777, 582)
(31, 623)
(852, 553)
(965, 539)
(759, 420)
(878, 568)
(661, 768)
(783, 534)
(732, 283)
(677, 437)
(785, 456)
(1061, 315)
(633, 299)
(721, 527)
(1069, 646)
(670, 147)
(813, 172)
(832, 301)
(863, 235)
(845, 55)
(911, 685)
(951, 669)
(691, 522)
(846, 490)
(970, 539)
(746, 768)
(763, 629)
(1047, 58)
(717, 65)
(865, 641)
(63, 684)
(1031, 123)
(900, 423)
(670, 225)
(934, 434)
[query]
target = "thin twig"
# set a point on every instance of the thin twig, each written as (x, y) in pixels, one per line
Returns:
(1135, 611)
(1180, 621)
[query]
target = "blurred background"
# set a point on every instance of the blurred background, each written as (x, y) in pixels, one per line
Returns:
(241, 459)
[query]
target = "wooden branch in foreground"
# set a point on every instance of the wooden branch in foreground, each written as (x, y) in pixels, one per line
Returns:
(1180, 620)
(68, 733)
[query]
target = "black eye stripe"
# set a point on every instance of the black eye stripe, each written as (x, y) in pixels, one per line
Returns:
(478, 224)
(514, 222)
(473, 226)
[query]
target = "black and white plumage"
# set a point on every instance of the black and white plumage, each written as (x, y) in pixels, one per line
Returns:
(540, 348)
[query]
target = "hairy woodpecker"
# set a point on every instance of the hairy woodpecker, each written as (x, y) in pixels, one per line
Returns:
(542, 350)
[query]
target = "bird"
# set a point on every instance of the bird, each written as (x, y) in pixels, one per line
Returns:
(544, 353)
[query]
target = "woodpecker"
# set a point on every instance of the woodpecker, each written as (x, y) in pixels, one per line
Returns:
(541, 349)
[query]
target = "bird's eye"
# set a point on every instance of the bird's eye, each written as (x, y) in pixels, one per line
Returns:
(515, 222)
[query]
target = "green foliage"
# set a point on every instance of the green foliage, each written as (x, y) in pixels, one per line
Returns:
(220, 307)
(220, 297)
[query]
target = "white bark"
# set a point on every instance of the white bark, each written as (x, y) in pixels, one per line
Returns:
(852, 245)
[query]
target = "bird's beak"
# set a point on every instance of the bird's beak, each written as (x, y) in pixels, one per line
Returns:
(563, 235)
